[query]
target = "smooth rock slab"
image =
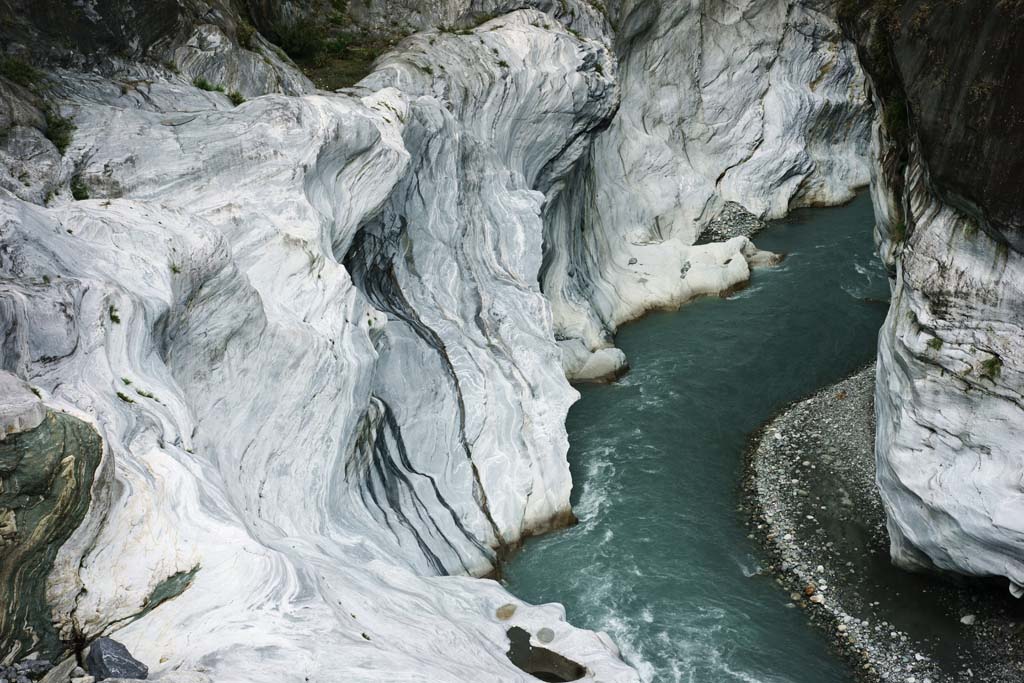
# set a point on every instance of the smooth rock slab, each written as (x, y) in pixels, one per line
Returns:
(110, 659)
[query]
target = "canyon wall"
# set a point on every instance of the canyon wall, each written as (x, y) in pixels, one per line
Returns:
(950, 392)
(311, 347)
(728, 110)
(299, 458)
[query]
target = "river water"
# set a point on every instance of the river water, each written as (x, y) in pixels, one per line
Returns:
(661, 559)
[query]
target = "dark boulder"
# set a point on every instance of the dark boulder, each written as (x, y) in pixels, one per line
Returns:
(110, 659)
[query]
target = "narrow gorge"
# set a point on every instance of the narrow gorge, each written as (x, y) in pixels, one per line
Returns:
(298, 299)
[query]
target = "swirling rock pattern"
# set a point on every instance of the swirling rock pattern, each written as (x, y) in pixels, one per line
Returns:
(295, 458)
(48, 461)
(324, 338)
(760, 102)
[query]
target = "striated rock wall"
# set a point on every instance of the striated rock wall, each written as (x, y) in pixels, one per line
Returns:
(760, 103)
(323, 337)
(950, 392)
(296, 459)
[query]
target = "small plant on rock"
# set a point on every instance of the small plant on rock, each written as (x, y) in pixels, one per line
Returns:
(992, 368)
(59, 129)
(204, 84)
(79, 190)
(20, 72)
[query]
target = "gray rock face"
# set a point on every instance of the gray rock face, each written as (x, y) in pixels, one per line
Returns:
(20, 409)
(140, 40)
(108, 658)
(950, 390)
(309, 332)
(323, 337)
(761, 103)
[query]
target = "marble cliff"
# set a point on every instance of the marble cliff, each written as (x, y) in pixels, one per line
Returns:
(283, 369)
(950, 443)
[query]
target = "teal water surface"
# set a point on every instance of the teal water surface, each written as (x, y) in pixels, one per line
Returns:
(661, 559)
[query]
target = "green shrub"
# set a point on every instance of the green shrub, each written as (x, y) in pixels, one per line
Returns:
(245, 33)
(935, 343)
(124, 398)
(300, 39)
(204, 84)
(59, 129)
(20, 72)
(992, 368)
(236, 97)
(114, 317)
(79, 190)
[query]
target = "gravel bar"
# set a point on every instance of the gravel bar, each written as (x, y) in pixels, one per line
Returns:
(812, 503)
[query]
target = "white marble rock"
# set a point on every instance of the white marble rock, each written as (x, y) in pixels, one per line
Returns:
(198, 312)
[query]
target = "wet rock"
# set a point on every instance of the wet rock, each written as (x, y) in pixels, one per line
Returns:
(110, 659)
(541, 662)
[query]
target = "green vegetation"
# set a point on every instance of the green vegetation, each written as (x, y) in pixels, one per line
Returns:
(114, 317)
(302, 39)
(896, 117)
(332, 51)
(992, 368)
(144, 394)
(126, 381)
(204, 84)
(935, 343)
(124, 398)
(245, 33)
(59, 129)
(175, 268)
(79, 190)
(502, 63)
(20, 72)
(236, 97)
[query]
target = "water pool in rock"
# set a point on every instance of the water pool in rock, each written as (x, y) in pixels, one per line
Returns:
(661, 559)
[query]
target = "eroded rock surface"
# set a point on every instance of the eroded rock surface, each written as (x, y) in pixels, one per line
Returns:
(295, 457)
(950, 392)
(324, 336)
(760, 103)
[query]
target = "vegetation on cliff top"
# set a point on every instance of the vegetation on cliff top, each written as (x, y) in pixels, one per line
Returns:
(333, 51)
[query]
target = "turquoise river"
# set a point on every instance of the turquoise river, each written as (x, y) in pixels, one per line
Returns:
(661, 559)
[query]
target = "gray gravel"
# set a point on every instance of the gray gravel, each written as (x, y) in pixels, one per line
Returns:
(733, 221)
(814, 506)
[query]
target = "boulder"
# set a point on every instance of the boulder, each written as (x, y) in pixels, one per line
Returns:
(110, 659)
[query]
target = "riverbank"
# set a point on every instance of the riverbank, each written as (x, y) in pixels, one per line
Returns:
(813, 504)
